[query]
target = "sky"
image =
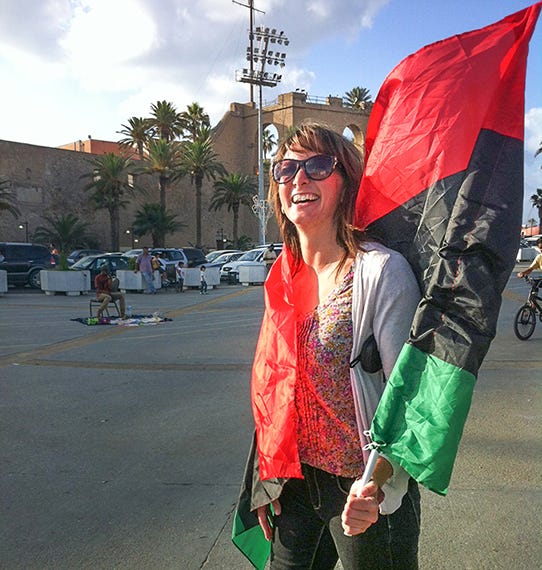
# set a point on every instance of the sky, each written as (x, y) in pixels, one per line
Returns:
(74, 68)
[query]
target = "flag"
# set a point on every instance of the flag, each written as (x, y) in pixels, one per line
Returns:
(443, 184)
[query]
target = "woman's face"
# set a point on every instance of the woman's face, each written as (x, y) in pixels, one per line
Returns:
(310, 203)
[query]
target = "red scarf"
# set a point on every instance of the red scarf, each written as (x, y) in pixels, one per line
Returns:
(274, 375)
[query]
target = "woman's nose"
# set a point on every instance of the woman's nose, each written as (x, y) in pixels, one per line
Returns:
(300, 176)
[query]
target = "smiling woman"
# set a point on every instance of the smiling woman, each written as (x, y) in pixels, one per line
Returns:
(331, 293)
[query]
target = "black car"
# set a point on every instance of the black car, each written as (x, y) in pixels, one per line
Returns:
(195, 256)
(24, 261)
(93, 263)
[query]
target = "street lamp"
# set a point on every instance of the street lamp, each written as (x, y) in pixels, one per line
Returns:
(24, 225)
(258, 52)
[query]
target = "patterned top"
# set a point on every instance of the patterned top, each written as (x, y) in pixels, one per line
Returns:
(327, 430)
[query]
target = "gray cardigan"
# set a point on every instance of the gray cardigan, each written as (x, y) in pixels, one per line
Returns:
(384, 298)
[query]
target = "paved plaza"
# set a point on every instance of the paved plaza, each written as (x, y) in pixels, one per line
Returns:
(123, 447)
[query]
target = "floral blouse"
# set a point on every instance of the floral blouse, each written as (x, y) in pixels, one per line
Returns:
(327, 430)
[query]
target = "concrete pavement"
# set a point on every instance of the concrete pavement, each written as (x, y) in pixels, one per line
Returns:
(123, 448)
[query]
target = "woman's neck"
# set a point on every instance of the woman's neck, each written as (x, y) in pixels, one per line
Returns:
(320, 251)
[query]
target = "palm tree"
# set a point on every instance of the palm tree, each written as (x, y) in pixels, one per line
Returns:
(163, 158)
(155, 220)
(67, 231)
(194, 120)
(536, 200)
(358, 97)
(268, 142)
(233, 191)
(200, 161)
(137, 134)
(166, 120)
(7, 199)
(110, 183)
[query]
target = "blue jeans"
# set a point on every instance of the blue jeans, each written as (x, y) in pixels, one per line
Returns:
(148, 278)
(308, 534)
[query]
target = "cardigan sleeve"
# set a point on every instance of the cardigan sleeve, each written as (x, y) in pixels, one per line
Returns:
(385, 299)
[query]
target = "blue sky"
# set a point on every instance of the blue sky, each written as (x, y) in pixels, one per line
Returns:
(80, 67)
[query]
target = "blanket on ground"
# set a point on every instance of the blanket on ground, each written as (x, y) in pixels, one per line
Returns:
(134, 321)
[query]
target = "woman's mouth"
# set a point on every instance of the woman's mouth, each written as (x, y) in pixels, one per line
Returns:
(304, 198)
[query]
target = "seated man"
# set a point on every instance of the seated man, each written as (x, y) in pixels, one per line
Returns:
(104, 292)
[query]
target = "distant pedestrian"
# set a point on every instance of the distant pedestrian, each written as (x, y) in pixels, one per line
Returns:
(144, 264)
(269, 257)
(203, 281)
(179, 277)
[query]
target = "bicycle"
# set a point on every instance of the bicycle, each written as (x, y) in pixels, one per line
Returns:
(525, 321)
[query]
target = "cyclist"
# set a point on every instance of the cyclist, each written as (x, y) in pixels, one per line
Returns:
(537, 262)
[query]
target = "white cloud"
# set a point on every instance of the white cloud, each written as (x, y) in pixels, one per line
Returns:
(533, 129)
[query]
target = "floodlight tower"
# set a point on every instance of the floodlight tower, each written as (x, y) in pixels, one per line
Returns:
(261, 53)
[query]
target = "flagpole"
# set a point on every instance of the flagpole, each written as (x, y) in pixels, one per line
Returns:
(368, 473)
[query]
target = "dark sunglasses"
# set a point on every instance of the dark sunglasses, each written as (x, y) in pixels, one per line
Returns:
(317, 167)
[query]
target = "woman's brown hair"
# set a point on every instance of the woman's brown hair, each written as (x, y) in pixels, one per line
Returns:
(321, 139)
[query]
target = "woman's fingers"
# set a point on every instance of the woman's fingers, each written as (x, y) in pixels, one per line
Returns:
(265, 516)
(360, 512)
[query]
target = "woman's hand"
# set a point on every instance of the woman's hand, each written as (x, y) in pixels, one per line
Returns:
(265, 516)
(361, 509)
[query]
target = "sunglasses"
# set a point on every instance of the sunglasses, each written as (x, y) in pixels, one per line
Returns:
(317, 167)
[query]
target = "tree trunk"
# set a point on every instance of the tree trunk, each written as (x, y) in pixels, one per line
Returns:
(199, 182)
(114, 220)
(162, 184)
(235, 224)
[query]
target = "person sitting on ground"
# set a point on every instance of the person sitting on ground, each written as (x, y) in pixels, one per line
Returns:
(537, 261)
(105, 292)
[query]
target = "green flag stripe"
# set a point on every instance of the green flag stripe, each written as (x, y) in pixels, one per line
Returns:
(251, 542)
(421, 415)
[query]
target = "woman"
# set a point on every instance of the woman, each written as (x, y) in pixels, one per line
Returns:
(331, 293)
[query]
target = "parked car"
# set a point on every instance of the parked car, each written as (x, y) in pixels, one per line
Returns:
(224, 258)
(526, 251)
(195, 257)
(78, 254)
(93, 263)
(230, 271)
(212, 255)
(24, 261)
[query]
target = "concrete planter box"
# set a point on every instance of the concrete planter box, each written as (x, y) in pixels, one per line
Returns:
(130, 281)
(192, 277)
(70, 282)
(3, 281)
(252, 274)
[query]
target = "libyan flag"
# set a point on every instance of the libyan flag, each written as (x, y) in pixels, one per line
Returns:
(443, 184)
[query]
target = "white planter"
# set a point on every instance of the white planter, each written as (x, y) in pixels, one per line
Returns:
(70, 282)
(131, 281)
(252, 274)
(3, 281)
(192, 277)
